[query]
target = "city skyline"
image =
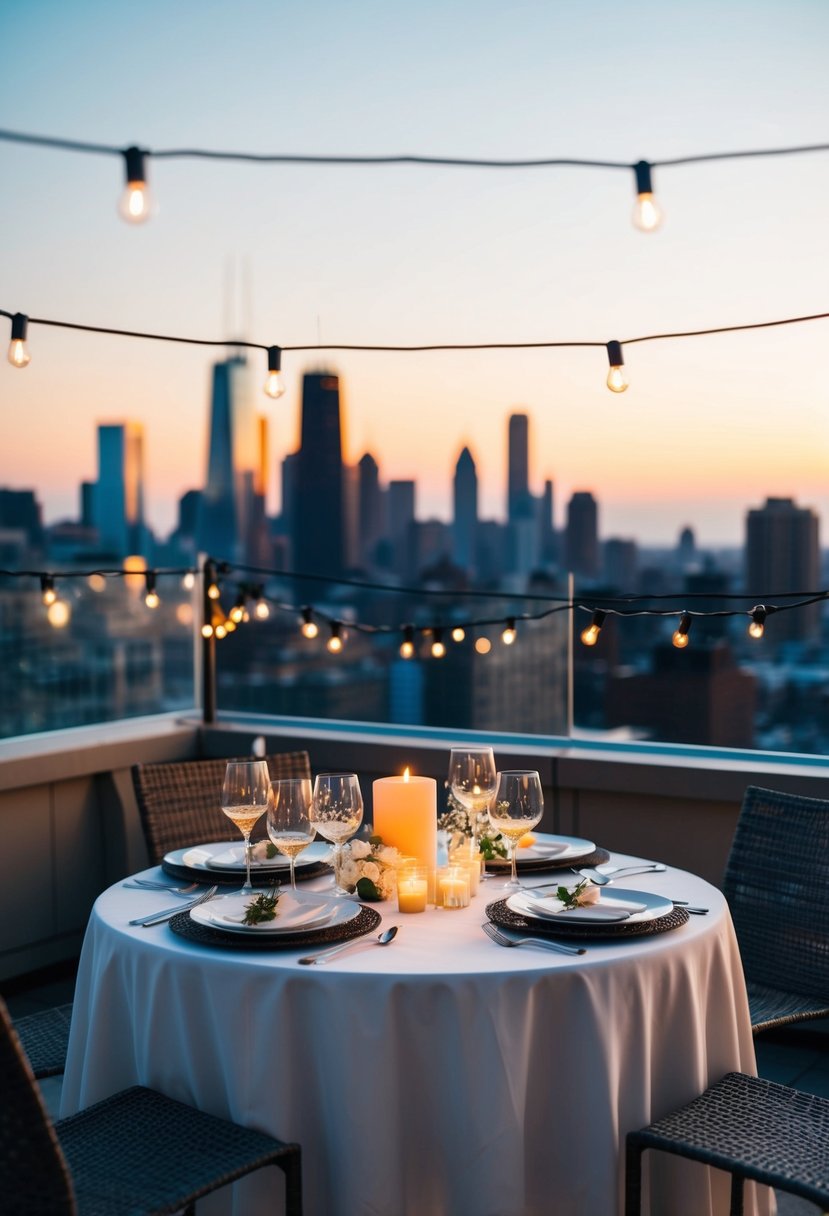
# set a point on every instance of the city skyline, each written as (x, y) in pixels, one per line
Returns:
(407, 256)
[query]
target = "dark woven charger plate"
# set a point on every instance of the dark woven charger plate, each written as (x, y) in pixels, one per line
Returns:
(503, 916)
(234, 878)
(366, 920)
(544, 865)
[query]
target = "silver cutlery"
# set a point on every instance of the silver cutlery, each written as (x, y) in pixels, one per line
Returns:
(681, 903)
(502, 940)
(156, 918)
(602, 876)
(144, 884)
(382, 939)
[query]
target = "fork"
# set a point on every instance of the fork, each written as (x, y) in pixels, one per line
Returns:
(144, 884)
(502, 940)
(157, 918)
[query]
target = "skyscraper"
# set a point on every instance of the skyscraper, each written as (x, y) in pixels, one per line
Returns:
(519, 501)
(119, 490)
(401, 518)
(783, 554)
(229, 512)
(370, 509)
(318, 506)
(581, 540)
(465, 514)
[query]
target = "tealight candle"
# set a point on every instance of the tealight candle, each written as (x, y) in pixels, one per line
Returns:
(453, 887)
(472, 866)
(405, 815)
(412, 889)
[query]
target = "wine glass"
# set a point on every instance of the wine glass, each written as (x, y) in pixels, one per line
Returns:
(516, 808)
(246, 794)
(289, 825)
(337, 812)
(472, 778)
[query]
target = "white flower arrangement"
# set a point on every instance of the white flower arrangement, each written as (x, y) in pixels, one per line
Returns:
(369, 867)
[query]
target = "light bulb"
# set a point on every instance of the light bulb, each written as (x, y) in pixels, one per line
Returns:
(590, 635)
(220, 631)
(680, 637)
(438, 647)
(274, 385)
(508, 635)
(230, 625)
(189, 581)
(207, 631)
(335, 642)
(18, 350)
(237, 613)
(617, 381)
(758, 621)
(458, 633)
(261, 611)
(309, 628)
(483, 646)
(407, 647)
(59, 614)
(47, 590)
(151, 598)
(135, 204)
(647, 215)
(213, 591)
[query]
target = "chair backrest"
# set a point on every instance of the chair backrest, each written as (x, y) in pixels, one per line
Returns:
(777, 886)
(179, 802)
(34, 1177)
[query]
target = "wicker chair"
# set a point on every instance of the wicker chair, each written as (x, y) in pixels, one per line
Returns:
(134, 1154)
(752, 1128)
(777, 886)
(45, 1037)
(179, 802)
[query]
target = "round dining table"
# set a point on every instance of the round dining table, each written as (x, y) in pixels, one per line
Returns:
(442, 1075)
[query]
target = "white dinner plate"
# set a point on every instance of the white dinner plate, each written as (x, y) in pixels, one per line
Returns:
(293, 914)
(612, 908)
(551, 848)
(225, 856)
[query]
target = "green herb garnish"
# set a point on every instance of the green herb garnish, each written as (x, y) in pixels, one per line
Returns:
(262, 908)
(492, 847)
(572, 898)
(367, 890)
(271, 850)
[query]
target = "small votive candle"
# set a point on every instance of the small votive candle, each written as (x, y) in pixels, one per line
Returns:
(472, 866)
(453, 887)
(412, 889)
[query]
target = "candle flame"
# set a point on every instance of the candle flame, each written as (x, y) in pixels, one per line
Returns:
(405, 774)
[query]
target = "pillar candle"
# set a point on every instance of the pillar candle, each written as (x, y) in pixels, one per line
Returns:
(406, 816)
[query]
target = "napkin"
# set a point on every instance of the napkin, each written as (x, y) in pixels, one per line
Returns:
(290, 914)
(619, 909)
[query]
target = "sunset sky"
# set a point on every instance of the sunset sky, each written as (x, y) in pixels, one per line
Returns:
(402, 255)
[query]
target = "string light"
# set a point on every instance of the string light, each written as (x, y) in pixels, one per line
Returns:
(617, 381)
(207, 630)
(135, 204)
(274, 385)
(18, 350)
(758, 621)
(646, 213)
(335, 641)
(407, 647)
(458, 633)
(483, 645)
(509, 635)
(261, 610)
(237, 612)
(189, 581)
(309, 627)
(151, 598)
(590, 635)
(438, 647)
(59, 614)
(680, 637)
(47, 589)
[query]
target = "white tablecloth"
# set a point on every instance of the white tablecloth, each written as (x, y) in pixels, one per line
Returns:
(439, 1076)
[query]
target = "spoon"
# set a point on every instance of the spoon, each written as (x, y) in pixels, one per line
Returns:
(382, 939)
(601, 879)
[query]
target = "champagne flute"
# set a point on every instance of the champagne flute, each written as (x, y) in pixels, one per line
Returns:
(246, 795)
(516, 808)
(289, 826)
(337, 812)
(472, 778)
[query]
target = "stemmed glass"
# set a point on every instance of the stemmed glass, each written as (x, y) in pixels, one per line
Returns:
(337, 812)
(289, 825)
(246, 795)
(516, 808)
(472, 778)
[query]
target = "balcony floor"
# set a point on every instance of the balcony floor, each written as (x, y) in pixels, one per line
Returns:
(798, 1057)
